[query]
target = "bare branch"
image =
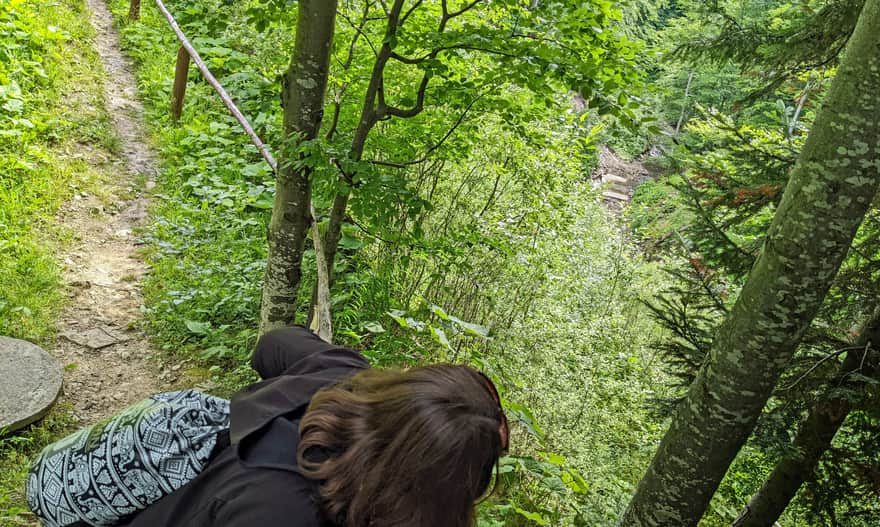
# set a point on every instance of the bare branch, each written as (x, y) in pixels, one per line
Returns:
(821, 361)
(436, 51)
(434, 147)
(409, 12)
(461, 11)
(359, 28)
(337, 99)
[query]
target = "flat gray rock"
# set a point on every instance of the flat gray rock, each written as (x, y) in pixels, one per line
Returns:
(93, 338)
(30, 382)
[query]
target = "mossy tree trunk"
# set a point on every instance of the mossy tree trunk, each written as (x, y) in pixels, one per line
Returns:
(814, 435)
(302, 98)
(829, 191)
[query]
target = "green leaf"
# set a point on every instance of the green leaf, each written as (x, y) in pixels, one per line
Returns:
(437, 310)
(373, 327)
(575, 481)
(524, 415)
(215, 351)
(472, 329)
(399, 317)
(533, 516)
(555, 459)
(440, 336)
(266, 202)
(350, 242)
(198, 328)
(13, 106)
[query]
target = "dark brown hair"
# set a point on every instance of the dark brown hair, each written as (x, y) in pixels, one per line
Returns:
(411, 448)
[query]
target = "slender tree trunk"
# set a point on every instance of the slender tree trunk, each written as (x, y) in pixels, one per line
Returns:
(302, 98)
(321, 323)
(330, 245)
(800, 106)
(814, 437)
(369, 118)
(829, 191)
(684, 102)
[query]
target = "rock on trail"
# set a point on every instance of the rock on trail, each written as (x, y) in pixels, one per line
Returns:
(31, 383)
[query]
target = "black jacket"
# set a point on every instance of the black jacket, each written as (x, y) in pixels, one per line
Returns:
(254, 481)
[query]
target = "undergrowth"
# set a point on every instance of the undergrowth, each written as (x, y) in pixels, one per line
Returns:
(546, 305)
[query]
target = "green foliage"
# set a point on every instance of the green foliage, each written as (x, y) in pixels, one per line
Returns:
(42, 57)
(485, 251)
(16, 453)
(725, 176)
(51, 122)
(778, 40)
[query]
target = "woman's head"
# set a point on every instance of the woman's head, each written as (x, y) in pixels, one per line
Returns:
(411, 448)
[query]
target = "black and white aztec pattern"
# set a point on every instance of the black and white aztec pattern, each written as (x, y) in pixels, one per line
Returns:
(117, 467)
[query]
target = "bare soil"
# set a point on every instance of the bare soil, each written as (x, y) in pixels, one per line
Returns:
(108, 357)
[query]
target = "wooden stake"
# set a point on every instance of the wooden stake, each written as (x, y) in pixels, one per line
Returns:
(134, 10)
(206, 73)
(181, 72)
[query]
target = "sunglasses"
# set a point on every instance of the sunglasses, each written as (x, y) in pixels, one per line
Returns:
(504, 430)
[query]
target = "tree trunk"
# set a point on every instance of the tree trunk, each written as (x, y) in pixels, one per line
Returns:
(684, 102)
(330, 245)
(814, 437)
(368, 120)
(302, 98)
(830, 188)
(321, 323)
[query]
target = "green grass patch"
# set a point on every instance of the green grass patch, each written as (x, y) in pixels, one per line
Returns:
(55, 137)
(16, 452)
(52, 124)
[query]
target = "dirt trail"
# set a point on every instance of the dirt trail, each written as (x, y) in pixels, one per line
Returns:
(103, 271)
(619, 178)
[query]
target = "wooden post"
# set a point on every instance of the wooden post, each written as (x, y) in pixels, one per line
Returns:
(181, 71)
(206, 73)
(134, 10)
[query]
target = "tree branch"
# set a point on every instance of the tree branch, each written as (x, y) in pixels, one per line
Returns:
(337, 99)
(463, 10)
(409, 12)
(360, 29)
(417, 108)
(430, 150)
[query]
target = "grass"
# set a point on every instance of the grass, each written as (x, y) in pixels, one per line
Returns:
(51, 127)
(55, 137)
(16, 451)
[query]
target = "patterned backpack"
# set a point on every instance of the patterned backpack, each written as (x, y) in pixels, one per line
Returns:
(104, 473)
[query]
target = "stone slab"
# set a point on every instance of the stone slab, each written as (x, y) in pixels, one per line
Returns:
(613, 178)
(30, 382)
(93, 338)
(609, 194)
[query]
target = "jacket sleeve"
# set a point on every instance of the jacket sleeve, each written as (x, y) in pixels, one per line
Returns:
(280, 349)
(269, 506)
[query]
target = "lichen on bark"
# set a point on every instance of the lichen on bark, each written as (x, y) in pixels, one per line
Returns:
(302, 97)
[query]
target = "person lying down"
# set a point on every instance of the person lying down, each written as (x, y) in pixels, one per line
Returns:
(322, 441)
